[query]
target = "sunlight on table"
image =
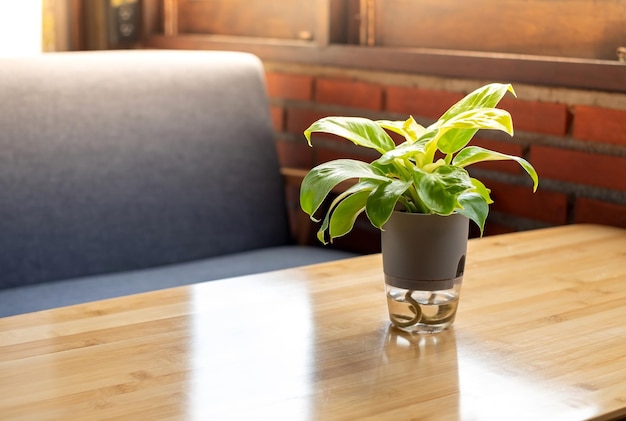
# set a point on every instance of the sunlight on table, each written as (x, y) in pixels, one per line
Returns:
(277, 367)
(490, 391)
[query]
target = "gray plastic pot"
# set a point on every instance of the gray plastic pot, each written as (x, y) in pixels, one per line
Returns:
(424, 252)
(423, 264)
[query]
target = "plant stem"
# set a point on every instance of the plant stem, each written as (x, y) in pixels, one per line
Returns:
(409, 206)
(420, 207)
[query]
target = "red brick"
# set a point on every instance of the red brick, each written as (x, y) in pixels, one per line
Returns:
(299, 119)
(364, 238)
(597, 212)
(278, 118)
(325, 154)
(508, 148)
(397, 138)
(349, 93)
(579, 167)
(492, 228)
(419, 102)
(538, 117)
(543, 205)
(293, 154)
(600, 124)
(288, 86)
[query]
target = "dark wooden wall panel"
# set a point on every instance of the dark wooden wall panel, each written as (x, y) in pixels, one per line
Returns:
(283, 19)
(565, 28)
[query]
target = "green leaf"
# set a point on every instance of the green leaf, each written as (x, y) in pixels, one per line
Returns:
(409, 129)
(483, 118)
(474, 206)
(322, 230)
(365, 185)
(481, 189)
(487, 96)
(383, 199)
(361, 131)
(459, 130)
(440, 189)
(320, 180)
(405, 150)
(422, 151)
(474, 154)
(346, 212)
(452, 140)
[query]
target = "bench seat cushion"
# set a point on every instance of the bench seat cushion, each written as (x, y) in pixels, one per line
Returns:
(86, 289)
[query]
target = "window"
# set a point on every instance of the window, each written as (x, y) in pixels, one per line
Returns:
(571, 43)
(281, 19)
(567, 28)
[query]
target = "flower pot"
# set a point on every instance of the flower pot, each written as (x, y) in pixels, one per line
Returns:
(423, 264)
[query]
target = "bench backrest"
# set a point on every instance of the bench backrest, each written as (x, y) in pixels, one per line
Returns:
(112, 161)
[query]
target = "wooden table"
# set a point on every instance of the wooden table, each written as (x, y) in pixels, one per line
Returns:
(540, 335)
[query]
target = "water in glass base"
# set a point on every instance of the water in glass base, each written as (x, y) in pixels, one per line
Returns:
(418, 311)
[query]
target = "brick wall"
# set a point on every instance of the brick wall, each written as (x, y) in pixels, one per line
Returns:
(575, 139)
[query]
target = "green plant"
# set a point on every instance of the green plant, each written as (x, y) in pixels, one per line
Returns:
(424, 174)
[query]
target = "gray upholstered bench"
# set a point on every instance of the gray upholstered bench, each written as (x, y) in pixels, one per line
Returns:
(123, 172)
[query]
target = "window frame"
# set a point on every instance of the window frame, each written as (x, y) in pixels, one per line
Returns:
(160, 31)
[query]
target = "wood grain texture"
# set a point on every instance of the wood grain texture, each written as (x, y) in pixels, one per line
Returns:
(564, 28)
(540, 335)
(284, 19)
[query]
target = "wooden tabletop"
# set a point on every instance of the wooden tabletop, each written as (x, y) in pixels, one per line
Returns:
(540, 335)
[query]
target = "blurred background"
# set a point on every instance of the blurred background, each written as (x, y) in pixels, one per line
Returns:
(388, 59)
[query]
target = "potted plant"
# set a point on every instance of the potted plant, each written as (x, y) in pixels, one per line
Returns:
(419, 194)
